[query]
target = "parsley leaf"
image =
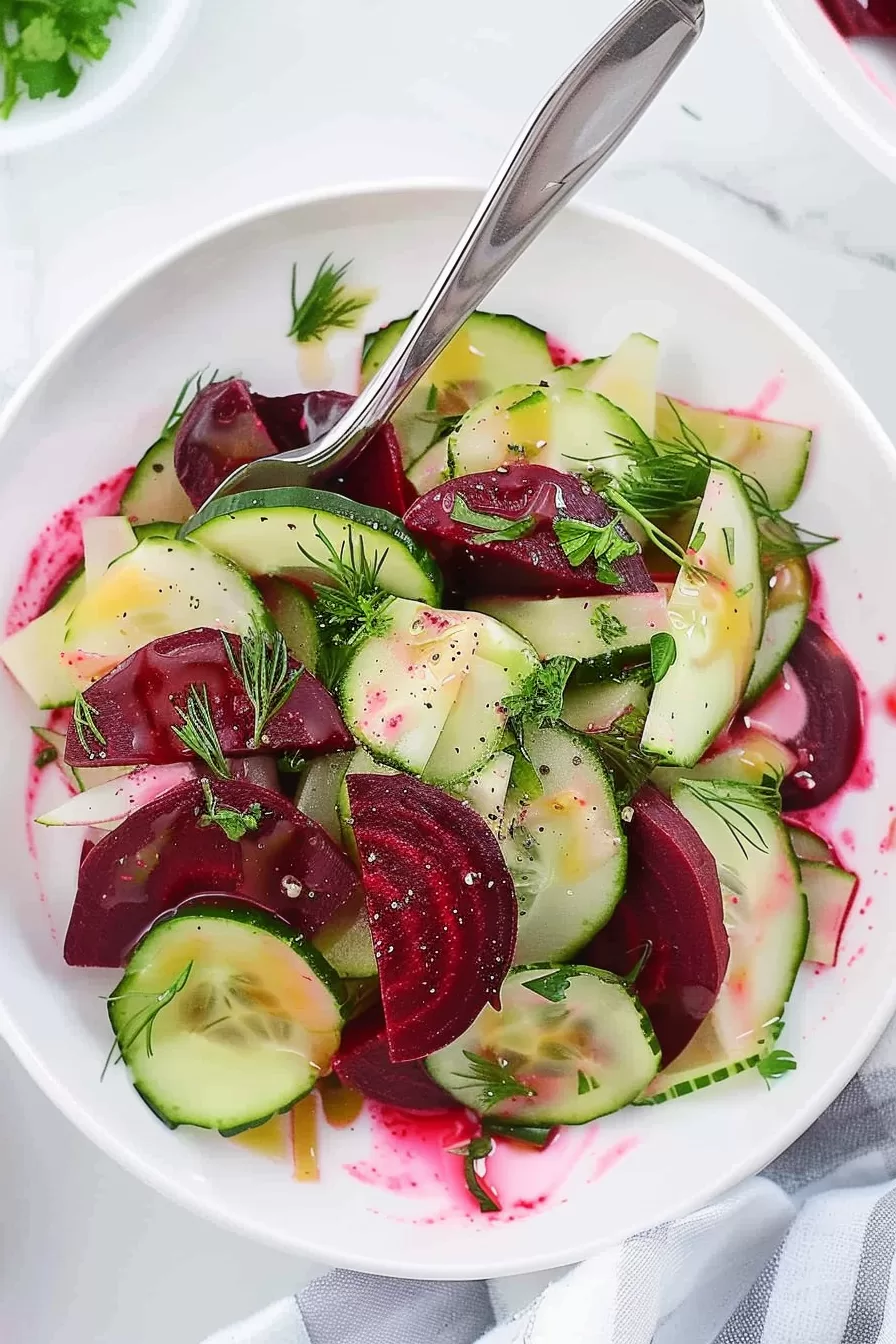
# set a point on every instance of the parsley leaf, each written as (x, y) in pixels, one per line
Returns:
(234, 824)
(496, 527)
(540, 698)
(662, 655)
(581, 541)
(44, 52)
(775, 1065)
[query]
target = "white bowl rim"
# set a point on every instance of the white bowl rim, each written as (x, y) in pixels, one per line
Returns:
(810, 78)
(74, 116)
(116, 1146)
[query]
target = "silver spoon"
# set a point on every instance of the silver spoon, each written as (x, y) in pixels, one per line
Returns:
(570, 135)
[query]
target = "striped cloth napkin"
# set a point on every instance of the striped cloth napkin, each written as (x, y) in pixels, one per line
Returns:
(800, 1255)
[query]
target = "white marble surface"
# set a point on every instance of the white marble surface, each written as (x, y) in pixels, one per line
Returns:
(267, 97)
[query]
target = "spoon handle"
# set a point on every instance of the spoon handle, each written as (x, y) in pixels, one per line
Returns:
(569, 136)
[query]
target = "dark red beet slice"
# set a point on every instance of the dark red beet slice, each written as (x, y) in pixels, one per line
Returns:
(220, 431)
(441, 906)
(672, 901)
(534, 565)
(363, 1063)
(135, 706)
(863, 18)
(827, 745)
(163, 854)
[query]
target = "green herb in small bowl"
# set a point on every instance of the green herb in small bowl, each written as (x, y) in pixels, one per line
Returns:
(44, 45)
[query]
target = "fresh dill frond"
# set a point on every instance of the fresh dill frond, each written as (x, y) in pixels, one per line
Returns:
(540, 698)
(492, 1080)
(264, 670)
(328, 305)
(606, 624)
(619, 747)
(88, 732)
(144, 1019)
(185, 397)
(352, 605)
(233, 823)
(199, 734)
(732, 802)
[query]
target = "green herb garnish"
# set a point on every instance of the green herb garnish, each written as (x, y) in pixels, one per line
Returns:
(732, 802)
(620, 750)
(535, 1136)
(552, 987)
(199, 734)
(663, 653)
(606, 625)
(84, 718)
(540, 698)
(492, 1080)
(263, 668)
(185, 397)
(581, 541)
(775, 1065)
(328, 305)
(144, 1019)
(234, 824)
(45, 757)
(496, 528)
(475, 1152)
(351, 606)
(44, 45)
(728, 538)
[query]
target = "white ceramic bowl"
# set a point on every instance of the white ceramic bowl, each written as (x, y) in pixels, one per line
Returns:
(141, 40)
(93, 404)
(852, 84)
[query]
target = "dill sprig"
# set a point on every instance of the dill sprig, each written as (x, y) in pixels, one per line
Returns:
(327, 306)
(492, 1079)
(264, 670)
(620, 750)
(540, 698)
(187, 394)
(143, 1020)
(352, 605)
(662, 541)
(233, 823)
(732, 801)
(89, 733)
(199, 734)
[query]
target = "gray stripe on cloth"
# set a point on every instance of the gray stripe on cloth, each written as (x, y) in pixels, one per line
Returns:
(866, 1314)
(349, 1308)
(861, 1120)
(745, 1326)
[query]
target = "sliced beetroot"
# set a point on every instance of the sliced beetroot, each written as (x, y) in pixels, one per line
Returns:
(863, 18)
(673, 902)
(135, 706)
(169, 851)
(363, 1063)
(828, 742)
(534, 565)
(220, 432)
(441, 906)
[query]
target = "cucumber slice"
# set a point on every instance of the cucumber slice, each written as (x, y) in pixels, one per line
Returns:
(594, 709)
(704, 1061)
(398, 688)
(361, 763)
(786, 610)
(293, 616)
(225, 1016)
(157, 529)
(431, 469)
(154, 492)
(80, 777)
(474, 729)
(347, 944)
(565, 849)
(566, 428)
(715, 616)
(34, 654)
(829, 894)
(750, 759)
(160, 588)
(105, 539)
(602, 632)
(275, 531)
(486, 791)
(318, 792)
(570, 1043)
(775, 453)
(575, 375)
(807, 845)
(765, 906)
(488, 353)
(628, 379)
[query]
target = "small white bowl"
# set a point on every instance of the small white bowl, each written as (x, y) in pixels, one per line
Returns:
(94, 403)
(851, 83)
(141, 40)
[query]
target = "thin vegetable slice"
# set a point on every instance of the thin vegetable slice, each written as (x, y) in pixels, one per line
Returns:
(830, 892)
(362, 1062)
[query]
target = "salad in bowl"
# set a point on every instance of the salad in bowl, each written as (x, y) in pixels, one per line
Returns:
(477, 779)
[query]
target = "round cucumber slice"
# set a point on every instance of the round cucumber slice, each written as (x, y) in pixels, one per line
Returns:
(566, 849)
(569, 1044)
(298, 531)
(225, 1016)
(154, 492)
(161, 587)
(293, 616)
